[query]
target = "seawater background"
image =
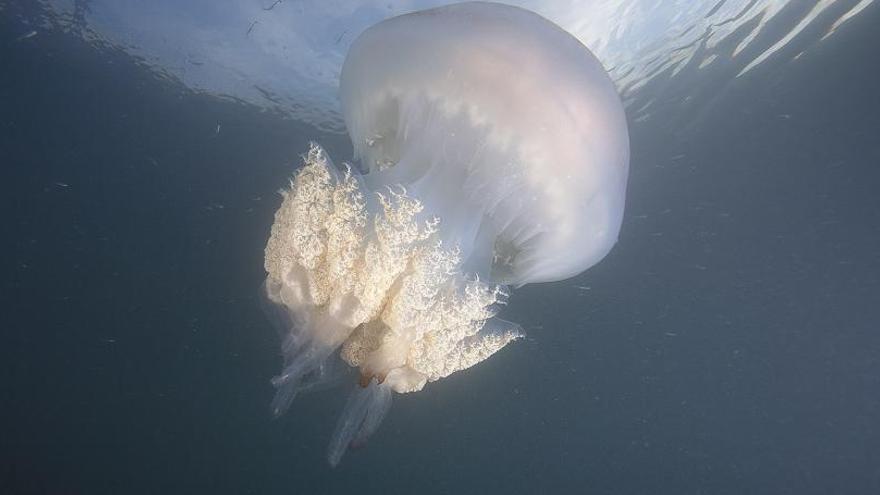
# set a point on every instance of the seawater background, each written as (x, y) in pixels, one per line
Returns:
(728, 344)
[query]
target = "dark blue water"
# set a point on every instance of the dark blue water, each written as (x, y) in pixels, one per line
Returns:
(728, 345)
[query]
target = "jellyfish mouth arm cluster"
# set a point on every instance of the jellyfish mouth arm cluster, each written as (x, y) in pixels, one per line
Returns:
(361, 277)
(499, 160)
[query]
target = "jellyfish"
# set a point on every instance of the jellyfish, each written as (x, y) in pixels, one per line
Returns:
(492, 151)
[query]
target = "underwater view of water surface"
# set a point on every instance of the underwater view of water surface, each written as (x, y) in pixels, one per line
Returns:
(601, 247)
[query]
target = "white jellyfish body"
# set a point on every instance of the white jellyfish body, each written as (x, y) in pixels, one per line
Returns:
(493, 151)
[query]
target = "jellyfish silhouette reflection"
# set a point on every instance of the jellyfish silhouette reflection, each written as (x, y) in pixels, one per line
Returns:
(493, 152)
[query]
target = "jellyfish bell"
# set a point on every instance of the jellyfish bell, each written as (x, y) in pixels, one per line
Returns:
(493, 151)
(502, 118)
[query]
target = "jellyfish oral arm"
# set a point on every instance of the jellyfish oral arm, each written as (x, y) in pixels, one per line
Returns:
(361, 416)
